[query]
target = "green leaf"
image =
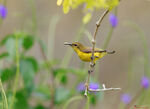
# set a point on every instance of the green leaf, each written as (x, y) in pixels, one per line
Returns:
(64, 79)
(80, 72)
(3, 55)
(11, 47)
(28, 68)
(7, 73)
(28, 42)
(3, 42)
(21, 100)
(39, 107)
(61, 94)
(61, 73)
(94, 97)
(43, 92)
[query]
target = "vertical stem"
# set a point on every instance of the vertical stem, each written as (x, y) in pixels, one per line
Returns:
(87, 106)
(92, 64)
(69, 53)
(108, 38)
(50, 69)
(17, 75)
(4, 98)
(145, 46)
(106, 42)
(34, 18)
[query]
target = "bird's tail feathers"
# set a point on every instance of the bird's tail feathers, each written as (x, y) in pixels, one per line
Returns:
(110, 52)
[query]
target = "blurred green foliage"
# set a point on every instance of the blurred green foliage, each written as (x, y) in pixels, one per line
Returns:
(53, 75)
(29, 68)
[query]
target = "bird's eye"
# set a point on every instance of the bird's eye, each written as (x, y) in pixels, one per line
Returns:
(75, 45)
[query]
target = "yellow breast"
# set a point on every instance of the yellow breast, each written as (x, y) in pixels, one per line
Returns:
(87, 56)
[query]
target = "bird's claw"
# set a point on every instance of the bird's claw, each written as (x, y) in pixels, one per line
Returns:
(92, 64)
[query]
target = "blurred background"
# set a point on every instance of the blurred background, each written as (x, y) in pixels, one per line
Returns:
(46, 21)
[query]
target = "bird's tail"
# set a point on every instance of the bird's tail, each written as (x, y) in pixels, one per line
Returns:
(110, 52)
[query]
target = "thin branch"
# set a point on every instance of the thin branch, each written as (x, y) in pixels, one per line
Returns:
(104, 89)
(17, 74)
(95, 33)
(98, 23)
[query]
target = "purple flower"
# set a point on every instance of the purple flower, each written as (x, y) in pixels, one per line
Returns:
(145, 82)
(81, 87)
(113, 20)
(125, 98)
(93, 86)
(3, 11)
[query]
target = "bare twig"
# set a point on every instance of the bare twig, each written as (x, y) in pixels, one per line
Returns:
(104, 89)
(93, 48)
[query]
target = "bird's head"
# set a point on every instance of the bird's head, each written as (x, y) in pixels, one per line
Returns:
(75, 45)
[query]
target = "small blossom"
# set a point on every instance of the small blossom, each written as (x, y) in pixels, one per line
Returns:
(113, 20)
(125, 98)
(3, 11)
(145, 82)
(81, 87)
(93, 86)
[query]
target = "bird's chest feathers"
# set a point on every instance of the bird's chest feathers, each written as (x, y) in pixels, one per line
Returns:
(87, 56)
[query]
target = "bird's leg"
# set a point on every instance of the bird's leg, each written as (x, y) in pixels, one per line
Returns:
(91, 63)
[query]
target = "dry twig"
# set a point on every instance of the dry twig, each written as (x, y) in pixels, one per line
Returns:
(93, 48)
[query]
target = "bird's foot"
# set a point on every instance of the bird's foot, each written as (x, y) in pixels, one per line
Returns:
(92, 64)
(92, 57)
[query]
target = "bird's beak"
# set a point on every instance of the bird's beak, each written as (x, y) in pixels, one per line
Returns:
(67, 43)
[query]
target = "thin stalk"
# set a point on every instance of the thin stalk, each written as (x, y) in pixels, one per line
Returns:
(144, 43)
(51, 37)
(69, 52)
(71, 100)
(98, 23)
(4, 98)
(17, 75)
(34, 18)
(50, 69)
(87, 106)
(108, 38)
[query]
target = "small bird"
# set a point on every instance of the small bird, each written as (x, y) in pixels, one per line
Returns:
(85, 53)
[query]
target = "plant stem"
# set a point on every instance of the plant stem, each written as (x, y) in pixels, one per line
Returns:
(71, 100)
(50, 69)
(4, 98)
(34, 18)
(145, 46)
(17, 74)
(108, 38)
(69, 52)
(106, 42)
(98, 23)
(87, 106)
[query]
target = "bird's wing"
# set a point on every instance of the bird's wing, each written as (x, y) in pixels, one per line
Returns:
(89, 50)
